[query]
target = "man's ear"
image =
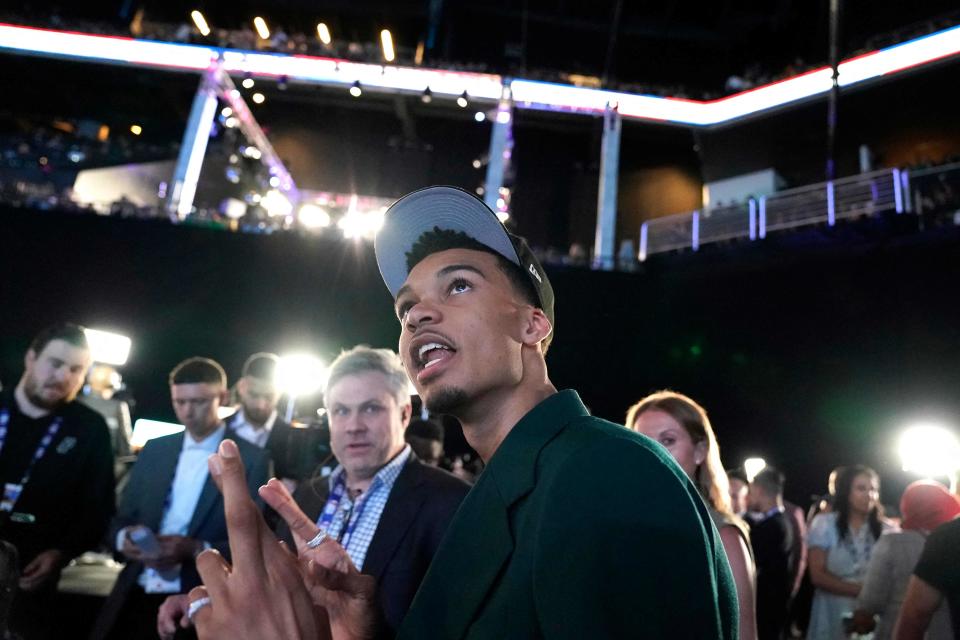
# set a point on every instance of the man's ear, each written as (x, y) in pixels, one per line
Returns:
(536, 327)
(224, 397)
(406, 412)
(29, 358)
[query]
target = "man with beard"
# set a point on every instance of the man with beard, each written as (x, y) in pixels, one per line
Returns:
(576, 528)
(257, 422)
(56, 466)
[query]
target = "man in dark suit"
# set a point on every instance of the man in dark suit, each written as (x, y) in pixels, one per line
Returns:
(771, 536)
(171, 510)
(387, 508)
(257, 421)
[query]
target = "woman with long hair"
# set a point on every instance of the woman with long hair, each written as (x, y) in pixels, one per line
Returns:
(925, 505)
(681, 425)
(840, 544)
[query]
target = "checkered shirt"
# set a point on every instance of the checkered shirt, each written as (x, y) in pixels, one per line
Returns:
(376, 499)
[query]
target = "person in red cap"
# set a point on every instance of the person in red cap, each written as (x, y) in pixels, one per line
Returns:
(925, 505)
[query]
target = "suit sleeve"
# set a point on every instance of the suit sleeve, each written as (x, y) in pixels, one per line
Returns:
(95, 499)
(128, 512)
(624, 551)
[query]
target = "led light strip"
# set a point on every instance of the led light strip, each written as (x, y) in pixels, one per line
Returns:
(480, 86)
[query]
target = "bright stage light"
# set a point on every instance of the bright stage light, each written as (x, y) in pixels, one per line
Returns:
(247, 83)
(313, 217)
(323, 32)
(503, 216)
(258, 98)
(300, 374)
(252, 152)
(226, 112)
(386, 41)
(479, 116)
(231, 122)
(276, 204)
(136, 129)
(753, 466)
(201, 23)
(462, 101)
(355, 89)
(146, 430)
(261, 26)
(427, 96)
(929, 450)
(107, 347)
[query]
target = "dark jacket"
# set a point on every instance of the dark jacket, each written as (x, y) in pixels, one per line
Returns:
(143, 503)
(421, 504)
(69, 500)
(578, 528)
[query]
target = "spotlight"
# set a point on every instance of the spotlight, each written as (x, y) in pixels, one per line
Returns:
(201, 23)
(274, 181)
(136, 129)
(355, 89)
(261, 26)
(323, 32)
(107, 347)
(479, 116)
(503, 216)
(300, 374)
(427, 96)
(753, 466)
(258, 98)
(247, 83)
(313, 217)
(386, 42)
(226, 112)
(231, 122)
(477, 163)
(929, 450)
(252, 152)
(463, 101)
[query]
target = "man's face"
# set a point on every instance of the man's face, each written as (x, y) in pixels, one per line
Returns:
(462, 329)
(196, 405)
(738, 495)
(366, 423)
(54, 376)
(258, 398)
(756, 497)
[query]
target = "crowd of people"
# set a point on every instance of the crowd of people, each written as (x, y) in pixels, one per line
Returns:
(576, 527)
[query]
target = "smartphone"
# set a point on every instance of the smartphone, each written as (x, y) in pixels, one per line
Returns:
(146, 540)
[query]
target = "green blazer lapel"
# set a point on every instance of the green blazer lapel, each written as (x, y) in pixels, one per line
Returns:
(474, 550)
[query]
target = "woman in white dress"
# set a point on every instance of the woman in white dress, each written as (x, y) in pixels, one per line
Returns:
(840, 544)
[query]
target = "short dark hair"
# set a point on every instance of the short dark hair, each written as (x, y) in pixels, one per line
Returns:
(437, 240)
(771, 480)
(738, 474)
(67, 331)
(262, 366)
(198, 370)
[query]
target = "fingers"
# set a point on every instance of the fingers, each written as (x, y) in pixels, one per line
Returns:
(202, 618)
(214, 571)
(275, 494)
(172, 613)
(351, 582)
(244, 521)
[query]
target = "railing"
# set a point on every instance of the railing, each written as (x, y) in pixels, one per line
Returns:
(936, 188)
(851, 197)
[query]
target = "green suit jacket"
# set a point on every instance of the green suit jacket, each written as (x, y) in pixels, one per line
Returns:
(577, 528)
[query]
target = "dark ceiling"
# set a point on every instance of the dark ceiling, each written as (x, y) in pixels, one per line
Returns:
(694, 44)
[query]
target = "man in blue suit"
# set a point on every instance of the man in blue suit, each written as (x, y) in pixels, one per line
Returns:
(171, 510)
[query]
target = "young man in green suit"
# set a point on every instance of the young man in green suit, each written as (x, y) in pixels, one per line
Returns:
(577, 527)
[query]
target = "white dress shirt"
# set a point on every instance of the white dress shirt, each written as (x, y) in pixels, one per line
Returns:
(188, 482)
(253, 434)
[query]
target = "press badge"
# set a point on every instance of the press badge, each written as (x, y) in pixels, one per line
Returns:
(11, 493)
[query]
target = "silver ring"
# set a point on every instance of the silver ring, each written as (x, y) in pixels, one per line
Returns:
(317, 540)
(196, 605)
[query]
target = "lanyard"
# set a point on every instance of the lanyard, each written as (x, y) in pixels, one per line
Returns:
(41, 449)
(351, 517)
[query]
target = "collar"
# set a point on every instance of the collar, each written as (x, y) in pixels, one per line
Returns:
(241, 420)
(513, 464)
(386, 476)
(766, 515)
(208, 444)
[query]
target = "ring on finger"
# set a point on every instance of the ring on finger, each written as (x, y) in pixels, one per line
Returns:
(196, 605)
(317, 540)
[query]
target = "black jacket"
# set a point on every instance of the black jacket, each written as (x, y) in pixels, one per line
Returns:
(414, 520)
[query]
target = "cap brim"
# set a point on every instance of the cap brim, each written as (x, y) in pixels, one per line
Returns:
(448, 208)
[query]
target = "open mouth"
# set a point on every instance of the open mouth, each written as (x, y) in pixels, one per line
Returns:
(430, 354)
